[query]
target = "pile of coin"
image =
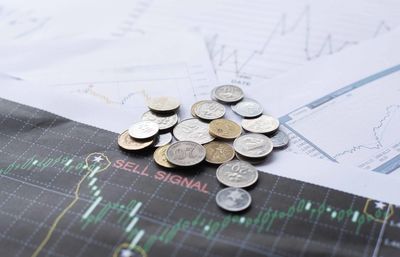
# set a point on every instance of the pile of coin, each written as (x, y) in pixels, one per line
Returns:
(211, 137)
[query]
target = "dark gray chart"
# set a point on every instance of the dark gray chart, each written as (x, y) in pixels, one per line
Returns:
(67, 189)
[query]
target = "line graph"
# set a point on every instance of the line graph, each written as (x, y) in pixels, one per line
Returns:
(222, 55)
(377, 131)
(59, 217)
(92, 91)
(90, 171)
(126, 93)
(265, 38)
(122, 85)
(133, 92)
(370, 141)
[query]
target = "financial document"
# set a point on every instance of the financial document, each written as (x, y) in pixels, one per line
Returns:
(369, 141)
(27, 21)
(250, 43)
(106, 83)
(349, 114)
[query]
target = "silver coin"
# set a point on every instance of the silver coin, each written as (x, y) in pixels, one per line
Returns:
(248, 108)
(163, 139)
(163, 104)
(209, 110)
(143, 130)
(164, 121)
(253, 145)
(280, 139)
(193, 130)
(233, 199)
(228, 93)
(250, 160)
(237, 174)
(185, 153)
(213, 95)
(264, 124)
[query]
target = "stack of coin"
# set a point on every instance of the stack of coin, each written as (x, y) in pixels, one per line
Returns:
(155, 130)
(211, 137)
(260, 133)
(139, 136)
(155, 126)
(253, 144)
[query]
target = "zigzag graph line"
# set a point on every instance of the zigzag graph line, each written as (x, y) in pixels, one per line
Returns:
(220, 55)
(389, 113)
(90, 90)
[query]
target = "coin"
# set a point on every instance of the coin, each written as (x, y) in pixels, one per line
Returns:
(237, 174)
(264, 124)
(163, 139)
(185, 153)
(164, 121)
(225, 129)
(228, 93)
(160, 157)
(126, 142)
(209, 110)
(213, 95)
(233, 199)
(193, 108)
(248, 108)
(219, 152)
(253, 145)
(163, 104)
(193, 130)
(280, 139)
(250, 160)
(143, 130)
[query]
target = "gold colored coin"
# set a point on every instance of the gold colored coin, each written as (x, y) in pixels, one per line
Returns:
(219, 152)
(126, 142)
(225, 129)
(160, 157)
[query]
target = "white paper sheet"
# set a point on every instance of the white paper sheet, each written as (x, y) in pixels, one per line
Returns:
(247, 42)
(341, 177)
(321, 77)
(345, 108)
(111, 80)
(27, 21)
(251, 42)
